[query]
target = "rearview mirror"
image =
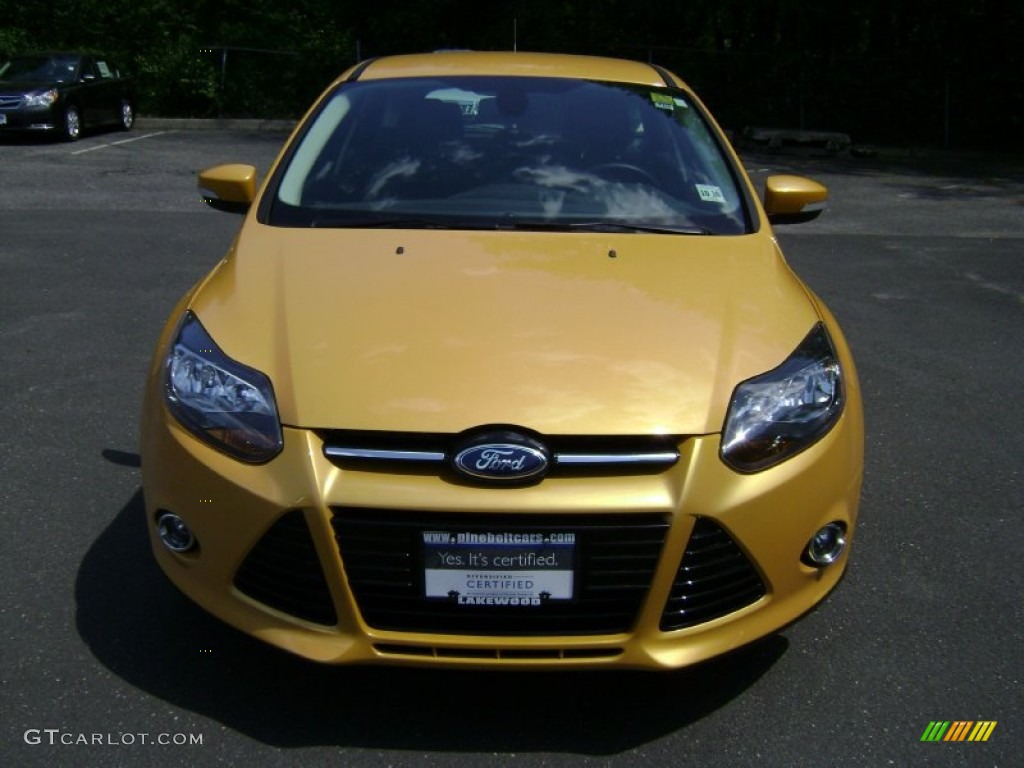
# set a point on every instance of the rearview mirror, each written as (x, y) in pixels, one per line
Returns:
(230, 187)
(793, 199)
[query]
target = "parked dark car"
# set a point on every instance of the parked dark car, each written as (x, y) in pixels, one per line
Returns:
(64, 93)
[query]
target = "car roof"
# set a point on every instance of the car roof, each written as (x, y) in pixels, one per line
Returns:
(47, 53)
(511, 64)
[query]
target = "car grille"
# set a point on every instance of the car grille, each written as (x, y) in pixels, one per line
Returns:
(714, 578)
(283, 571)
(432, 453)
(616, 558)
(10, 102)
(498, 654)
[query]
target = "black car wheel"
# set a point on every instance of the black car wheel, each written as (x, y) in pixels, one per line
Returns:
(127, 115)
(72, 123)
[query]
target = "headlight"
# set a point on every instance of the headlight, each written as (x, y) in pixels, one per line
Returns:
(220, 401)
(41, 98)
(780, 413)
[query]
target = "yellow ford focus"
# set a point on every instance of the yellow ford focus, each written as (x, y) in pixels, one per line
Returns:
(505, 368)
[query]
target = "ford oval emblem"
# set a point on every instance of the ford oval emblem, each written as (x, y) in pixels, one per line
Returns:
(501, 461)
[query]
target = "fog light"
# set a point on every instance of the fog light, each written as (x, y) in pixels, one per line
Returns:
(826, 545)
(174, 533)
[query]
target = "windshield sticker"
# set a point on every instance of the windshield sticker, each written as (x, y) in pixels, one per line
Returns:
(681, 103)
(710, 194)
(663, 101)
(104, 69)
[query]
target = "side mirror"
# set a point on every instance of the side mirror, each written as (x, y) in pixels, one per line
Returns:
(793, 199)
(230, 188)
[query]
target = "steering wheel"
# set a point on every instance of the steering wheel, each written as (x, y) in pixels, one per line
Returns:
(624, 172)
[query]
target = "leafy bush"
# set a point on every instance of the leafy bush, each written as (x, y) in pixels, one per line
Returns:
(177, 81)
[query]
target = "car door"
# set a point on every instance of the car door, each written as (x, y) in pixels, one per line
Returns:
(109, 88)
(95, 95)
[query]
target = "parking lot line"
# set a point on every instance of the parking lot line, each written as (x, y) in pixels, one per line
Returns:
(123, 141)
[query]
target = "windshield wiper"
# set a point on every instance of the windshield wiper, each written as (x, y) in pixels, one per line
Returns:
(378, 222)
(508, 222)
(552, 225)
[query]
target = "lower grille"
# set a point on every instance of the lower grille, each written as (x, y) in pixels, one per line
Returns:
(283, 571)
(615, 560)
(714, 578)
(504, 654)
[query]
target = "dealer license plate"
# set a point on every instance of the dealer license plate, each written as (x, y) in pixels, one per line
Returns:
(503, 568)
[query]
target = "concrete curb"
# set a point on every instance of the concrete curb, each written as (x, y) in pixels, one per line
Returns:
(212, 124)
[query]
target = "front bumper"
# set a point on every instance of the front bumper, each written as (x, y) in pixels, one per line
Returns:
(246, 518)
(30, 119)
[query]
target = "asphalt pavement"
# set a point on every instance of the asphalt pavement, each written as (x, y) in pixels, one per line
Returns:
(920, 258)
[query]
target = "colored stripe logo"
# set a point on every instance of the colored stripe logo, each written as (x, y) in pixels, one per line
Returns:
(958, 730)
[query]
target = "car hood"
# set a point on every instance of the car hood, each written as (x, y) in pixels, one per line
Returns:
(27, 86)
(441, 331)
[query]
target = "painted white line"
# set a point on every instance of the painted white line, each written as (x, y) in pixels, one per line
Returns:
(115, 143)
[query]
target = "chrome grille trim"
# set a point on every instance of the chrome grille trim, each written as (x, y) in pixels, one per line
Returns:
(568, 452)
(663, 458)
(372, 454)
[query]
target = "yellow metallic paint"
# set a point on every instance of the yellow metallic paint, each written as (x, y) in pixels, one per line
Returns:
(785, 194)
(517, 64)
(232, 183)
(229, 505)
(655, 332)
(658, 334)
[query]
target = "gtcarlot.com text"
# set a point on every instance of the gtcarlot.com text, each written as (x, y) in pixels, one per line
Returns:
(58, 737)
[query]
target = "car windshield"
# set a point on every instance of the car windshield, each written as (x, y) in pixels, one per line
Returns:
(508, 152)
(58, 69)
